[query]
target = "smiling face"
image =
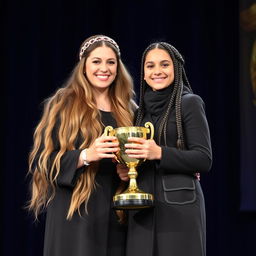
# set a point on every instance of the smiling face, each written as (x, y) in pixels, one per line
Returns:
(101, 67)
(158, 69)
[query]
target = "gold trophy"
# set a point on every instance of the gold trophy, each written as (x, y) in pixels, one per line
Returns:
(132, 197)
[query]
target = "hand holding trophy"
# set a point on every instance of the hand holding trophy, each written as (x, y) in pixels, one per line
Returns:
(132, 197)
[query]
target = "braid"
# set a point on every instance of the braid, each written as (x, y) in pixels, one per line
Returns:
(180, 140)
(142, 91)
(163, 124)
(185, 79)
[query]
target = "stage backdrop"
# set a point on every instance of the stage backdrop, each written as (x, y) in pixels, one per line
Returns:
(40, 41)
(248, 104)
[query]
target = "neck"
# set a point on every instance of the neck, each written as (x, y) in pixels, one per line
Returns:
(102, 99)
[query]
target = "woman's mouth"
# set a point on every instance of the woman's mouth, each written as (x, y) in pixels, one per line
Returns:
(158, 79)
(102, 77)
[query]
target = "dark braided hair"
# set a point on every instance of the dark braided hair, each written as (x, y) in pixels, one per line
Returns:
(180, 79)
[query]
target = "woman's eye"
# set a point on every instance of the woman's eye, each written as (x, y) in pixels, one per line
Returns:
(111, 62)
(149, 66)
(165, 65)
(96, 62)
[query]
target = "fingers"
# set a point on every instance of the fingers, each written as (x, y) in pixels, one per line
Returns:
(137, 143)
(124, 177)
(134, 146)
(108, 155)
(137, 155)
(122, 171)
(138, 149)
(106, 144)
(104, 147)
(107, 139)
(137, 140)
(134, 152)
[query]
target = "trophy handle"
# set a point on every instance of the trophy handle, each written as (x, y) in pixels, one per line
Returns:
(151, 130)
(107, 130)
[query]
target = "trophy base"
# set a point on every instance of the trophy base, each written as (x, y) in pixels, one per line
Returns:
(132, 201)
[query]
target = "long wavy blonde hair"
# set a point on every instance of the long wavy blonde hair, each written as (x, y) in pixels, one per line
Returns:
(74, 108)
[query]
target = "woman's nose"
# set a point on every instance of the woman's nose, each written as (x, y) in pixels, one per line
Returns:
(103, 67)
(157, 71)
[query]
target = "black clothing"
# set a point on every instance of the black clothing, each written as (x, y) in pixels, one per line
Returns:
(176, 225)
(155, 101)
(94, 234)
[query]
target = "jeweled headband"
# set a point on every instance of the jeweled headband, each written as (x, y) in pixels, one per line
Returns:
(95, 40)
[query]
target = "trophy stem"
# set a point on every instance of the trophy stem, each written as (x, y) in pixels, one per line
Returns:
(133, 183)
(133, 197)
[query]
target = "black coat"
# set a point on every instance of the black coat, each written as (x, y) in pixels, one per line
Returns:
(94, 234)
(176, 225)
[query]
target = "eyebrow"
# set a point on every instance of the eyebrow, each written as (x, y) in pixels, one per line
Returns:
(98, 58)
(150, 62)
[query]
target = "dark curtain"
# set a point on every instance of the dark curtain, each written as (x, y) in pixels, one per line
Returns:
(40, 41)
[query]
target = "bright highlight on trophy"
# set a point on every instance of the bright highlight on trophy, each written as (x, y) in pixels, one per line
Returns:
(132, 197)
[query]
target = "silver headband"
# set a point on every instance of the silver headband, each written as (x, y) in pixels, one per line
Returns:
(95, 40)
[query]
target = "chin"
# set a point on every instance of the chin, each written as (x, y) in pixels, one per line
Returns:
(159, 87)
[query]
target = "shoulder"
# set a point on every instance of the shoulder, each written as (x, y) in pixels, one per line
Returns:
(192, 105)
(190, 101)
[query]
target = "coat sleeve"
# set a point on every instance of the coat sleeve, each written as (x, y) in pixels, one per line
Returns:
(69, 173)
(198, 154)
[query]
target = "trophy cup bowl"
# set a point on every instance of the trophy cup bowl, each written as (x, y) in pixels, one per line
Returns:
(132, 197)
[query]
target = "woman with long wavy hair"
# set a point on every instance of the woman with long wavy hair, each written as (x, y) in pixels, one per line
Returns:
(73, 175)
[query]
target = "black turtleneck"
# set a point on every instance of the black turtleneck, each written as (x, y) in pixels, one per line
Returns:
(157, 101)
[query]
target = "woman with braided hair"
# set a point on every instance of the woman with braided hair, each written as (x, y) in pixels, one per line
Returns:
(73, 175)
(181, 149)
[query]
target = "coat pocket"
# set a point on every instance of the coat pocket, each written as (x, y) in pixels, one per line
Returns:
(179, 189)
